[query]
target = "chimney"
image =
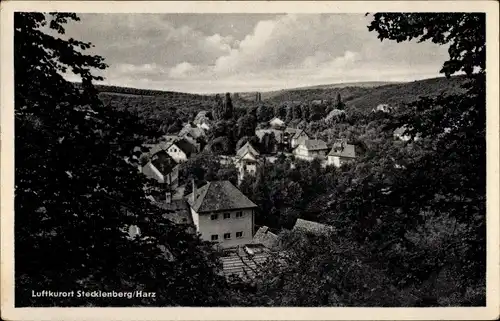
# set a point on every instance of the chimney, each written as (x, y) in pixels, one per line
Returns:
(193, 194)
(168, 197)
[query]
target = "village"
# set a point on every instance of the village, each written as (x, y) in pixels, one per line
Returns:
(218, 211)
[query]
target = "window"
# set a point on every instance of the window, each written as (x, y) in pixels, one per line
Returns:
(227, 215)
(214, 237)
(227, 236)
(239, 235)
(213, 217)
(239, 214)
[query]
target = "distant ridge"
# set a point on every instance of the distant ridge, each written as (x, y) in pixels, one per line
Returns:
(361, 84)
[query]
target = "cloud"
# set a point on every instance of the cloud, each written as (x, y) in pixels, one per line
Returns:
(182, 70)
(168, 51)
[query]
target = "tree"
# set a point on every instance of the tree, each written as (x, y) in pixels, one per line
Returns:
(263, 113)
(246, 125)
(289, 114)
(228, 107)
(455, 156)
(75, 193)
(338, 103)
(218, 108)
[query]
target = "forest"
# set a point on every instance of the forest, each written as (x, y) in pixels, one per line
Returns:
(409, 218)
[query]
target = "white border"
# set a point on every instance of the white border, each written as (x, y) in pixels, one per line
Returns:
(7, 164)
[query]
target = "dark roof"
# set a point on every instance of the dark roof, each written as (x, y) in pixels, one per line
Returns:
(298, 133)
(219, 196)
(163, 162)
(315, 144)
(342, 149)
(265, 237)
(311, 227)
(185, 146)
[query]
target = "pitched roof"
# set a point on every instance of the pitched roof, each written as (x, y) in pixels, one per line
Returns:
(276, 119)
(185, 146)
(163, 163)
(153, 149)
(311, 227)
(245, 149)
(219, 196)
(152, 172)
(314, 144)
(298, 133)
(342, 149)
(243, 264)
(265, 237)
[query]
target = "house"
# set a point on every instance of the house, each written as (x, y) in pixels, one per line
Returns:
(202, 121)
(276, 122)
(385, 108)
(265, 237)
(181, 150)
(222, 213)
(163, 169)
(341, 153)
(246, 161)
(293, 136)
(193, 131)
(311, 227)
(310, 149)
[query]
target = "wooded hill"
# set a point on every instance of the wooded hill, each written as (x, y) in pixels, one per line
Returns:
(365, 98)
(362, 96)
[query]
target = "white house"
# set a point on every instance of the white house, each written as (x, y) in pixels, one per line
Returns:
(341, 153)
(222, 214)
(181, 150)
(276, 122)
(202, 121)
(295, 136)
(310, 149)
(246, 161)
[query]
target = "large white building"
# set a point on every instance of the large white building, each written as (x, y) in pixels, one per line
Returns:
(222, 214)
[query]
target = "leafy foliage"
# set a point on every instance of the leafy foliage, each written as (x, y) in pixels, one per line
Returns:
(75, 195)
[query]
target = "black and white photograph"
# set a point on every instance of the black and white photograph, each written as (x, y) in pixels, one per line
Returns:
(251, 159)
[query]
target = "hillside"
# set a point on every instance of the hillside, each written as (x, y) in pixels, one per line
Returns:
(163, 108)
(366, 98)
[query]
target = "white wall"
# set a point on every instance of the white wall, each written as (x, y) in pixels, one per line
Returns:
(177, 154)
(231, 225)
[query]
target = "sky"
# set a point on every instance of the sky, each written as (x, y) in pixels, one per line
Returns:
(209, 53)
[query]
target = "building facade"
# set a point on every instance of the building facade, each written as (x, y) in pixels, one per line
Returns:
(310, 149)
(222, 214)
